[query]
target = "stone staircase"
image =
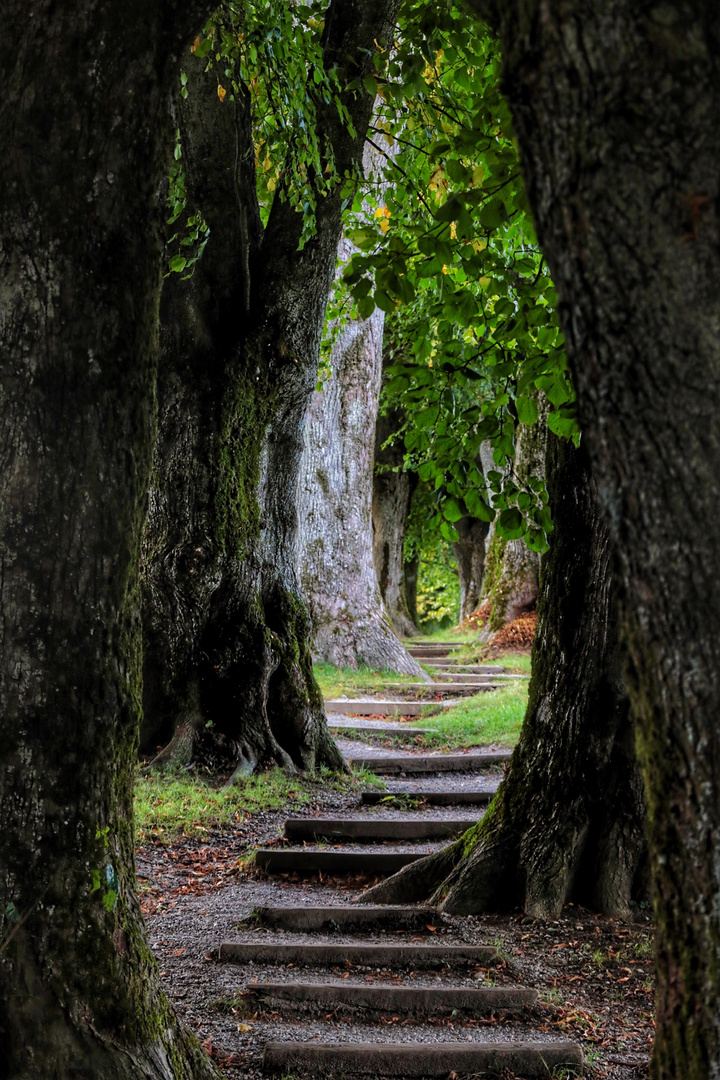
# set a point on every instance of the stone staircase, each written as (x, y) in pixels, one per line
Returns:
(345, 1000)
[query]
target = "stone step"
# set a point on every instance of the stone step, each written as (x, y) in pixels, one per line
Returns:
(428, 763)
(340, 917)
(433, 798)
(381, 708)
(334, 862)
(450, 665)
(387, 957)
(380, 728)
(475, 687)
(469, 676)
(365, 828)
(426, 653)
(402, 1000)
(527, 1059)
(412, 643)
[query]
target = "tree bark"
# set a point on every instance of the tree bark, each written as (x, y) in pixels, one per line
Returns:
(224, 579)
(512, 570)
(470, 556)
(392, 491)
(567, 822)
(350, 623)
(615, 108)
(87, 143)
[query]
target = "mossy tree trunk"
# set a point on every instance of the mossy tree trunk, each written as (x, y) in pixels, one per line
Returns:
(512, 570)
(392, 491)
(350, 622)
(226, 630)
(567, 822)
(86, 145)
(470, 556)
(615, 107)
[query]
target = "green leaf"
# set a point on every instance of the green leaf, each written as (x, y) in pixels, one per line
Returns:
(383, 301)
(451, 510)
(177, 263)
(365, 306)
(448, 532)
(527, 410)
(511, 524)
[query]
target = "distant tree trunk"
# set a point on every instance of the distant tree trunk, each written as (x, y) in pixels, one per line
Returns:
(567, 822)
(616, 108)
(227, 632)
(392, 491)
(410, 581)
(87, 142)
(350, 623)
(512, 570)
(470, 556)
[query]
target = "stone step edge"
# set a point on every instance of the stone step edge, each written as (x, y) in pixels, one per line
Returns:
(433, 798)
(373, 955)
(527, 1059)
(303, 860)
(400, 999)
(398, 828)
(305, 918)
(427, 763)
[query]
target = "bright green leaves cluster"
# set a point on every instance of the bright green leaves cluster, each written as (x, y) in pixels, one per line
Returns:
(272, 53)
(448, 249)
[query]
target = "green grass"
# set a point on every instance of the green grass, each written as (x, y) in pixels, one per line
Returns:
(485, 718)
(335, 682)
(181, 805)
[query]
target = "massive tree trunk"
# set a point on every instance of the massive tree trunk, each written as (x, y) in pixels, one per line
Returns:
(470, 556)
(350, 623)
(86, 145)
(567, 822)
(392, 491)
(616, 112)
(512, 570)
(227, 640)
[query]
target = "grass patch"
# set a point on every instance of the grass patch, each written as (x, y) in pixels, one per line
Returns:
(336, 682)
(182, 805)
(484, 718)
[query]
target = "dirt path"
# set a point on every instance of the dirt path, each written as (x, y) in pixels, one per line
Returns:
(593, 975)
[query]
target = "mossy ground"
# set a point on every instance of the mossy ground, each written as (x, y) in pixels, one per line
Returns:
(167, 806)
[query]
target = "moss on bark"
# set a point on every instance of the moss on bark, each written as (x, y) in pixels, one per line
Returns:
(567, 822)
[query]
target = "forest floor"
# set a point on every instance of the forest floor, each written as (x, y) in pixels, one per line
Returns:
(198, 888)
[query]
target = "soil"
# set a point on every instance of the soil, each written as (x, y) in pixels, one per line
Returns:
(594, 973)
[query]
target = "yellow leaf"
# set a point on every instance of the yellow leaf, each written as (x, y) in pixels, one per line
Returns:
(453, 230)
(271, 185)
(384, 225)
(244, 1027)
(194, 45)
(484, 282)
(221, 92)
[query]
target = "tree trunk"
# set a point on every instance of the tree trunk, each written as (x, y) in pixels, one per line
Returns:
(470, 556)
(616, 112)
(87, 142)
(567, 822)
(512, 570)
(350, 623)
(220, 546)
(392, 491)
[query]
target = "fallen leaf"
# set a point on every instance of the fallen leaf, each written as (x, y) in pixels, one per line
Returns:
(244, 1027)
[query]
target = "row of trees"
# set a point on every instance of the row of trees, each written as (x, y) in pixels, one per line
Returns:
(592, 94)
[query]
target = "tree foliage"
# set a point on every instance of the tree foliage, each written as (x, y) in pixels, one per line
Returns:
(449, 251)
